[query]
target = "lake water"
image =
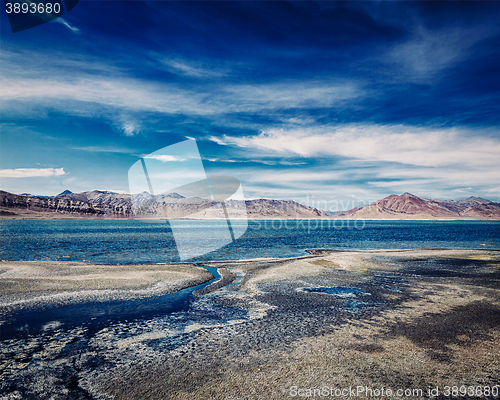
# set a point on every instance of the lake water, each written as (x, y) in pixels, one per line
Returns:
(134, 242)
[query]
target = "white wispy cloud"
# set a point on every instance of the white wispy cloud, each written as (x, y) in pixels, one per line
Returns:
(393, 143)
(135, 95)
(100, 87)
(104, 149)
(31, 172)
(56, 60)
(494, 191)
(223, 142)
(370, 160)
(166, 158)
(447, 175)
(429, 51)
(303, 94)
(333, 198)
(62, 21)
(366, 185)
(190, 68)
(130, 128)
(296, 177)
(120, 93)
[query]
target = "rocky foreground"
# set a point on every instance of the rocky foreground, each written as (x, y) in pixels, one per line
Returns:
(274, 329)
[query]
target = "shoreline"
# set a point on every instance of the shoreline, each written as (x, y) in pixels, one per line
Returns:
(48, 216)
(26, 284)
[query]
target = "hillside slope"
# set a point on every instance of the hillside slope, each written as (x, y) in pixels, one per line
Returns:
(409, 206)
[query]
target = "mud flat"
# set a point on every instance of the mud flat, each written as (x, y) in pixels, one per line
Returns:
(325, 323)
(29, 283)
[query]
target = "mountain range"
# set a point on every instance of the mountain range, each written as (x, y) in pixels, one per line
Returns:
(105, 204)
(409, 206)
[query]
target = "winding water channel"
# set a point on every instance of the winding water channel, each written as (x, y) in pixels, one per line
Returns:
(96, 315)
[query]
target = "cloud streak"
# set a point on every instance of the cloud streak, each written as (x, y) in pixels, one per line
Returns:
(62, 21)
(166, 158)
(191, 69)
(31, 172)
(429, 52)
(59, 89)
(391, 143)
(135, 95)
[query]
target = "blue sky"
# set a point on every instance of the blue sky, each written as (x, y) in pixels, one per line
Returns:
(333, 104)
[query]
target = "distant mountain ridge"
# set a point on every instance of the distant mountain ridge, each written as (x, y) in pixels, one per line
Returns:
(105, 204)
(76, 205)
(64, 193)
(409, 206)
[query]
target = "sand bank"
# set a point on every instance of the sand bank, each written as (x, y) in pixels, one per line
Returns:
(29, 283)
